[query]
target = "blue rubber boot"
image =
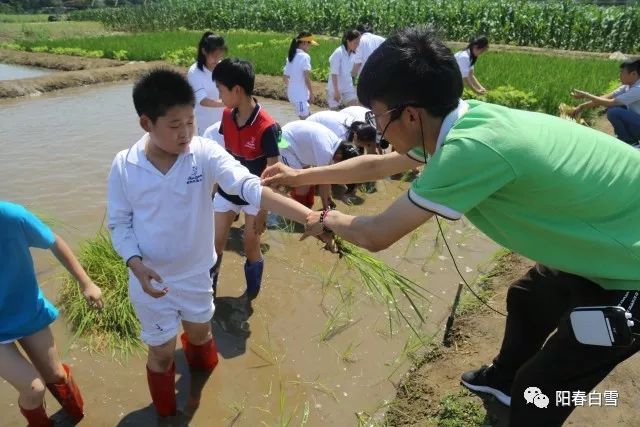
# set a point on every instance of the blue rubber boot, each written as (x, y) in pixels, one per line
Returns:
(253, 275)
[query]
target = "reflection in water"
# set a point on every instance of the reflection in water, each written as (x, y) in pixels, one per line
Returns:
(56, 153)
(15, 72)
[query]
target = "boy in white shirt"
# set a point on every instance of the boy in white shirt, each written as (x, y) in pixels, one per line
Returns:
(161, 220)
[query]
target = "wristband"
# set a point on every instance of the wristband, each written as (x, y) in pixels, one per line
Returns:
(323, 216)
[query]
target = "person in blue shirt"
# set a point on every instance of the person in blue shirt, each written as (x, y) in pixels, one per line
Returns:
(25, 316)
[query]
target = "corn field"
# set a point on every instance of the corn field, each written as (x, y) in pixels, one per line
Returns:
(562, 24)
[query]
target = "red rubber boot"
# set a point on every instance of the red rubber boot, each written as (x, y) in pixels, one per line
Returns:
(200, 357)
(36, 417)
(162, 386)
(68, 395)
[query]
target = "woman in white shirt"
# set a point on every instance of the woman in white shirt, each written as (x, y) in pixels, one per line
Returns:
(340, 89)
(467, 59)
(297, 73)
(209, 107)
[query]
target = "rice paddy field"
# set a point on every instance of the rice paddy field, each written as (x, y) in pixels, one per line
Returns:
(547, 79)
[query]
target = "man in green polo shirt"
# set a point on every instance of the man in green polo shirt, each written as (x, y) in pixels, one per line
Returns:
(559, 193)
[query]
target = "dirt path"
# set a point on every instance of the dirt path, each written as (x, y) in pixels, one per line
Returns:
(430, 394)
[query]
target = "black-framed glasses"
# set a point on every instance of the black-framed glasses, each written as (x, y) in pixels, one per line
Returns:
(372, 119)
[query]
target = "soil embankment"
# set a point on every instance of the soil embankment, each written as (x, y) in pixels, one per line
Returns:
(431, 394)
(80, 71)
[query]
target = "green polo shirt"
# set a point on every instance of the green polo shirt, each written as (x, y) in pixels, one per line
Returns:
(559, 193)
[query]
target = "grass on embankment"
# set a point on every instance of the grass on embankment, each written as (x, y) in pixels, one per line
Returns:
(5, 17)
(46, 31)
(549, 79)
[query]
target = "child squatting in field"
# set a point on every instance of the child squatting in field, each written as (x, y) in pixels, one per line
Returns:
(500, 167)
(161, 220)
(26, 315)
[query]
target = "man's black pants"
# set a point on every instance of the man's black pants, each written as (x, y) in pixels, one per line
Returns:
(539, 349)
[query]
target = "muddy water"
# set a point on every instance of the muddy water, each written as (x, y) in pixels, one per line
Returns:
(14, 72)
(56, 153)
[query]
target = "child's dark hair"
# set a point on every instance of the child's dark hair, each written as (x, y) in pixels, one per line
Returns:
(232, 72)
(295, 43)
(631, 65)
(480, 42)
(346, 151)
(412, 67)
(364, 131)
(365, 28)
(348, 36)
(209, 42)
(159, 90)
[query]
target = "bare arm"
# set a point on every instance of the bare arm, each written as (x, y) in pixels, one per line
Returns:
(307, 81)
(336, 90)
(602, 101)
(373, 233)
(369, 167)
(63, 253)
(284, 206)
(356, 70)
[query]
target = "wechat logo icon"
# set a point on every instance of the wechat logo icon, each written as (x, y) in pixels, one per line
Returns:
(534, 395)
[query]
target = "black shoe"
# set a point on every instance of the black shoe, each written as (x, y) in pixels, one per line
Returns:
(488, 380)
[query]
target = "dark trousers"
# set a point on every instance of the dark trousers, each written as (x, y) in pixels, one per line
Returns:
(626, 124)
(539, 350)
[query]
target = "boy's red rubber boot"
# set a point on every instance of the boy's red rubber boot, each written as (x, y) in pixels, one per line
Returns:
(36, 417)
(200, 357)
(162, 386)
(68, 395)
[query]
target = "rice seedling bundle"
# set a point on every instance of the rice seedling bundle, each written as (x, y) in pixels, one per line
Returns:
(116, 327)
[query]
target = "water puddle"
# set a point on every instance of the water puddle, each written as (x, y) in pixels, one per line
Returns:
(15, 72)
(318, 350)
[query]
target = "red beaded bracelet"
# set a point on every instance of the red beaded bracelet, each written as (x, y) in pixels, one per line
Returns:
(323, 216)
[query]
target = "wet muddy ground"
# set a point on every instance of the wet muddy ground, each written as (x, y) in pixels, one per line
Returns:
(318, 350)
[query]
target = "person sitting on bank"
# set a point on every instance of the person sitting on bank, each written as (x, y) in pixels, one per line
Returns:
(623, 104)
(467, 60)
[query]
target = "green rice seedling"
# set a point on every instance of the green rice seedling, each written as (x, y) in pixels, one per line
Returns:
(347, 355)
(317, 385)
(116, 327)
(238, 409)
(338, 320)
(384, 283)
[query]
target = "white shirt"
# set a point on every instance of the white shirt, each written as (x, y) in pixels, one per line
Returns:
(213, 133)
(341, 64)
(204, 87)
(297, 90)
(629, 96)
(356, 112)
(464, 62)
(336, 121)
(310, 144)
(368, 43)
(168, 219)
